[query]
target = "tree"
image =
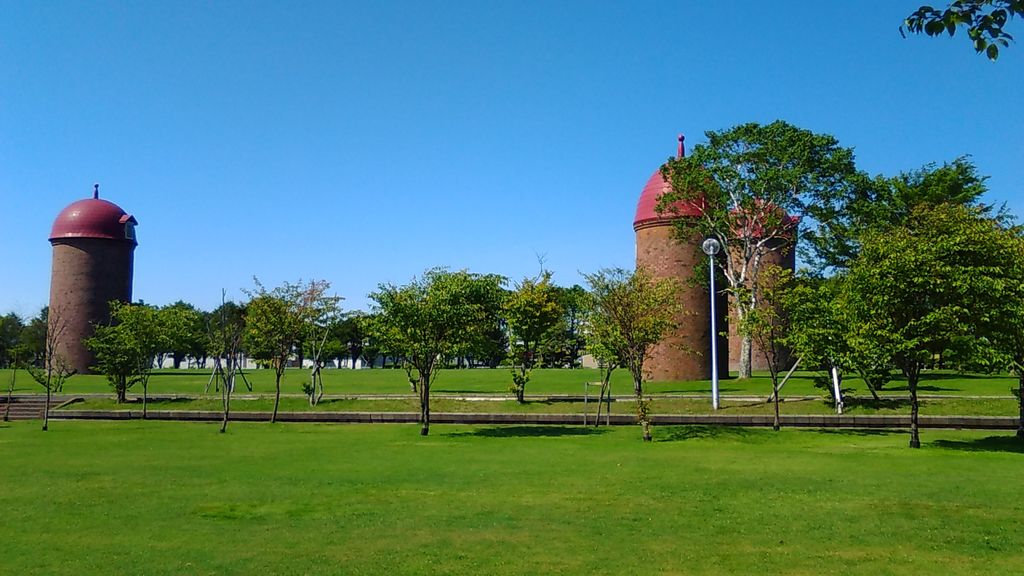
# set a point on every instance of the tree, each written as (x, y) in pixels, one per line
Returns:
(838, 220)
(33, 336)
(126, 348)
(431, 318)
(11, 327)
(188, 335)
(226, 330)
(55, 369)
(746, 187)
(273, 326)
(629, 314)
(531, 311)
(983, 19)
(228, 317)
(767, 325)
(349, 337)
(318, 312)
(917, 288)
(822, 334)
(1010, 339)
(566, 340)
(16, 357)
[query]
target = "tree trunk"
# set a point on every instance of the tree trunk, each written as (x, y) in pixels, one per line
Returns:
(746, 349)
(1020, 395)
(277, 395)
(874, 393)
(915, 439)
(145, 399)
(46, 410)
(122, 391)
(10, 393)
(226, 397)
(777, 422)
(224, 420)
(424, 405)
(646, 425)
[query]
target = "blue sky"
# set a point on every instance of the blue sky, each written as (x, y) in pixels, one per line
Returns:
(362, 142)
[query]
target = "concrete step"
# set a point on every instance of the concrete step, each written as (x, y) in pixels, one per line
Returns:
(29, 407)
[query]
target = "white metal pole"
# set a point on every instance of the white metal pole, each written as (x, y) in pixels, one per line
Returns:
(714, 340)
(838, 391)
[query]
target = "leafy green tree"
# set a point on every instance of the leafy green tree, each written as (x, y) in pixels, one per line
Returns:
(189, 334)
(566, 341)
(868, 205)
(225, 331)
(531, 311)
(273, 326)
(431, 318)
(630, 312)
(318, 312)
(767, 325)
(984, 21)
(348, 338)
(1009, 340)
(33, 336)
(746, 186)
(917, 288)
(11, 327)
(821, 333)
(16, 358)
(127, 347)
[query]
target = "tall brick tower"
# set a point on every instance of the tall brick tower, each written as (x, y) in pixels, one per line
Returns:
(685, 353)
(93, 257)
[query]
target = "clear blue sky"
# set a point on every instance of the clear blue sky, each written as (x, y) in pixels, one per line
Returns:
(362, 142)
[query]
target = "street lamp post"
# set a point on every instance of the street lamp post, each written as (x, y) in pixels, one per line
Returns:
(711, 246)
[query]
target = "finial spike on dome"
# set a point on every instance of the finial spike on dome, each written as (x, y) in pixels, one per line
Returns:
(95, 191)
(682, 150)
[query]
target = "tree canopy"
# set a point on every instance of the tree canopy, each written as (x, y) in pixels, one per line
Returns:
(747, 187)
(629, 313)
(937, 280)
(438, 315)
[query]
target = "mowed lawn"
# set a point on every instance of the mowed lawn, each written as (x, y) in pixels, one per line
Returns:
(496, 381)
(179, 498)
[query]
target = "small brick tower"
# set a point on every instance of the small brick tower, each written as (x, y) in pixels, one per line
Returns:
(684, 354)
(93, 257)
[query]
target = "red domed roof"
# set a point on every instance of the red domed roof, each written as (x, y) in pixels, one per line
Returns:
(94, 218)
(646, 214)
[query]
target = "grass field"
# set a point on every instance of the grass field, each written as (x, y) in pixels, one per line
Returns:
(543, 382)
(174, 498)
(949, 406)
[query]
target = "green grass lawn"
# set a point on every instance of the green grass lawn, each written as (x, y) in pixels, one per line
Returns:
(932, 407)
(179, 498)
(543, 382)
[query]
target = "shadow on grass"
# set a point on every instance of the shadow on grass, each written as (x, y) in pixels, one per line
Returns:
(683, 390)
(953, 376)
(860, 431)
(883, 403)
(696, 432)
(531, 431)
(921, 388)
(162, 401)
(182, 372)
(1011, 444)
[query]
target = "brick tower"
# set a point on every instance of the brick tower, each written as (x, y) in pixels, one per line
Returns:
(685, 353)
(93, 256)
